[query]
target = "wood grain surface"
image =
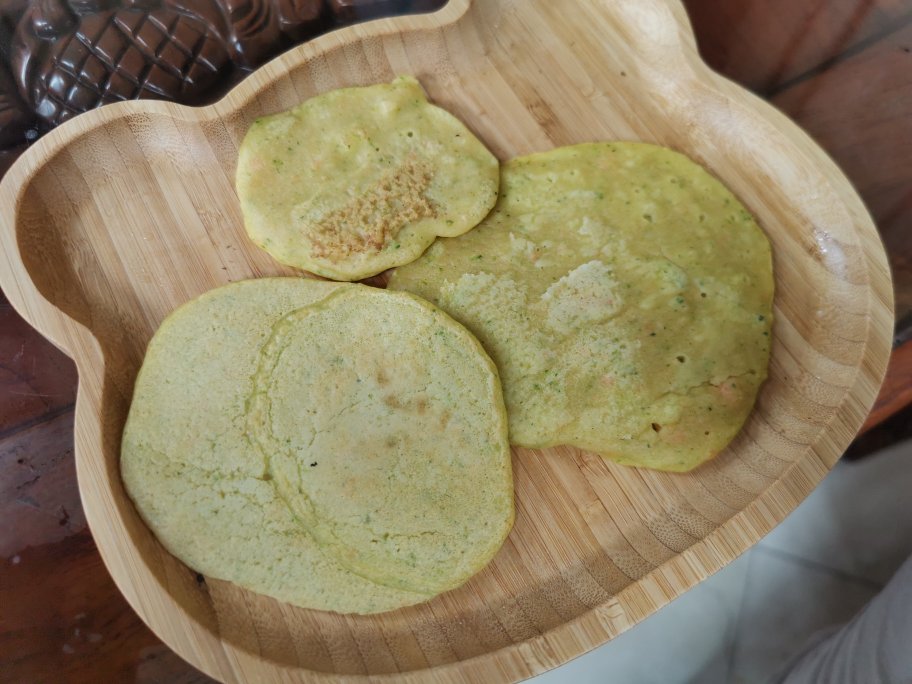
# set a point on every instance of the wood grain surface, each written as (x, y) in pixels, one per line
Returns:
(597, 563)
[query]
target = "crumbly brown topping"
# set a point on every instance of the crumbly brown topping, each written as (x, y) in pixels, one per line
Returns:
(369, 222)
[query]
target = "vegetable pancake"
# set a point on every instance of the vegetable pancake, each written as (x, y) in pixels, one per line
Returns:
(270, 444)
(625, 296)
(358, 180)
(383, 425)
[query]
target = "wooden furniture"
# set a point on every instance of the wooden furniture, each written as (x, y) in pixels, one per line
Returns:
(589, 557)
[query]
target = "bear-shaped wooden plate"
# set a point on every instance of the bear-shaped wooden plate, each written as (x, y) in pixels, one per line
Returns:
(119, 216)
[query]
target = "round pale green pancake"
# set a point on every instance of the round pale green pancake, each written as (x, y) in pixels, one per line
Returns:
(625, 296)
(202, 482)
(358, 180)
(389, 441)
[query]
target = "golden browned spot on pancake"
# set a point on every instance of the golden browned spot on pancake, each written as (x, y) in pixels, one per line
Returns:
(369, 221)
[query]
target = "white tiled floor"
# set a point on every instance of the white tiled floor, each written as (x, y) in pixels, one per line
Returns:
(816, 569)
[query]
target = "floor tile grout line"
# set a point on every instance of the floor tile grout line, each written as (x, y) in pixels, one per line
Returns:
(38, 420)
(818, 566)
(859, 47)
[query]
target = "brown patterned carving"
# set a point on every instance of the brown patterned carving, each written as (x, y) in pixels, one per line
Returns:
(261, 28)
(68, 56)
(67, 61)
(295, 17)
(348, 11)
(15, 117)
(426, 5)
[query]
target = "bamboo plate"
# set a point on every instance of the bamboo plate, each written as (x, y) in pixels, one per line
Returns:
(120, 215)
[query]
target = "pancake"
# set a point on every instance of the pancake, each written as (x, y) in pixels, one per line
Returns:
(624, 294)
(358, 180)
(197, 463)
(390, 441)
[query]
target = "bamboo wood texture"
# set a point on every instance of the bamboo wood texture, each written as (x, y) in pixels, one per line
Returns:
(119, 216)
